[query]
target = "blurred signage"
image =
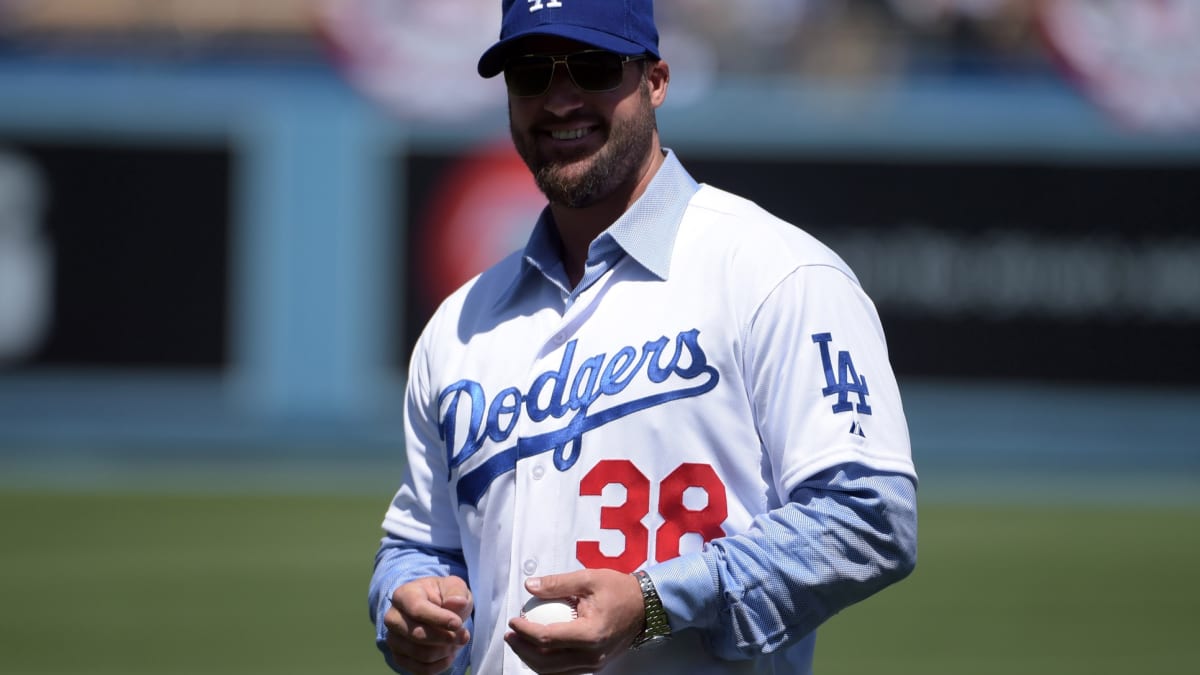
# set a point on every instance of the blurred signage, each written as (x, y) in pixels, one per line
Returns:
(114, 256)
(467, 213)
(486, 200)
(1035, 271)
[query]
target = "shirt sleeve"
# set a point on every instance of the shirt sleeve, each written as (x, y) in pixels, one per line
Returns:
(846, 533)
(828, 411)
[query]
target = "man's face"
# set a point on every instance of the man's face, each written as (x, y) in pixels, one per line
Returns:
(581, 146)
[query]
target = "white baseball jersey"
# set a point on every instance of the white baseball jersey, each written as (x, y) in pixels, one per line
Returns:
(667, 405)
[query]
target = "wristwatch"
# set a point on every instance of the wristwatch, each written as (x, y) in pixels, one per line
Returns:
(656, 631)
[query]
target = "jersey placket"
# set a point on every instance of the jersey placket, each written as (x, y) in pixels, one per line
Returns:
(544, 498)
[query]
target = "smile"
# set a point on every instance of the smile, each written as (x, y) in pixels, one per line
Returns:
(570, 134)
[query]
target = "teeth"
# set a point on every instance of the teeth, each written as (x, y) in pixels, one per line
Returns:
(569, 135)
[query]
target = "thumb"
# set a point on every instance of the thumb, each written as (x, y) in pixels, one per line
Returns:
(456, 596)
(558, 585)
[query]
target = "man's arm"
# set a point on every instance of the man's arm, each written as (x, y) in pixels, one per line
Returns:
(398, 563)
(419, 600)
(832, 427)
(846, 534)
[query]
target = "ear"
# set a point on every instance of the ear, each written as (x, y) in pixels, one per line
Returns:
(658, 76)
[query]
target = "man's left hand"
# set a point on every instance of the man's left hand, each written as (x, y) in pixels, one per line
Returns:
(611, 614)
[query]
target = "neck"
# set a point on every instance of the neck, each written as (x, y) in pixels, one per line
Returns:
(579, 227)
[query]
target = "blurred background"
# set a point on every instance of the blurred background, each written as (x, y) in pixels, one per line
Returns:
(222, 225)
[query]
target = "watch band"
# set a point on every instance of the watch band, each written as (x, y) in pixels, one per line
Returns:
(657, 629)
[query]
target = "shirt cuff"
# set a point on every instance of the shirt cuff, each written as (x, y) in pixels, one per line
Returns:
(686, 585)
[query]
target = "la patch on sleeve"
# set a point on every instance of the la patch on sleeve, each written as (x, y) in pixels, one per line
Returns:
(844, 381)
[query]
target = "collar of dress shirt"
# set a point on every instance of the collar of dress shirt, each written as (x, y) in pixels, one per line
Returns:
(646, 233)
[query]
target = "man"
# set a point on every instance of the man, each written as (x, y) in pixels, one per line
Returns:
(671, 407)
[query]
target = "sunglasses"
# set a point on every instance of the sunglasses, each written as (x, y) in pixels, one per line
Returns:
(593, 70)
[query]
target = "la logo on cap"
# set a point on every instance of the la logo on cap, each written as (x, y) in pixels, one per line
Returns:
(538, 5)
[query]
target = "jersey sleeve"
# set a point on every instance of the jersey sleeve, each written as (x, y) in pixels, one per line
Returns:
(831, 425)
(422, 537)
(421, 512)
(820, 381)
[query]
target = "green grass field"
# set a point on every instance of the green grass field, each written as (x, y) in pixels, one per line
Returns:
(140, 584)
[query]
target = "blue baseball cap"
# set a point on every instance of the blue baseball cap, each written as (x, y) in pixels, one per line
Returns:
(621, 26)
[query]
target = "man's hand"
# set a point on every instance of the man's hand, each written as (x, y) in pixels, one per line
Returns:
(425, 626)
(611, 613)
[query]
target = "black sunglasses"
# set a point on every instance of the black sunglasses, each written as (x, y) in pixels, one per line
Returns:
(593, 70)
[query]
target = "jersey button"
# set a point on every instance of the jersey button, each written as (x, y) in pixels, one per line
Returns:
(529, 566)
(538, 471)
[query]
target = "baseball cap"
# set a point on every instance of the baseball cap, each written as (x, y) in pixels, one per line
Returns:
(621, 26)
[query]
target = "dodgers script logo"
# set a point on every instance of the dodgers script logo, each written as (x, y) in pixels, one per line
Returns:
(558, 393)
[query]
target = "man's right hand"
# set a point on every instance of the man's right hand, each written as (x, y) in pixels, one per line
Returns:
(425, 625)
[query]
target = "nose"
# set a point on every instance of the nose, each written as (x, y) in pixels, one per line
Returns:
(563, 96)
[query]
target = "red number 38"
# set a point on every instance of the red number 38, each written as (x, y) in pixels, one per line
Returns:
(626, 518)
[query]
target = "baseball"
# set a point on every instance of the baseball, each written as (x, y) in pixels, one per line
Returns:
(549, 611)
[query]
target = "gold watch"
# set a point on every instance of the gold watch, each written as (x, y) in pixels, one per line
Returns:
(657, 630)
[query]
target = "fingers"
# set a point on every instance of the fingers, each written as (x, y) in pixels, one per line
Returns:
(421, 657)
(417, 668)
(547, 659)
(426, 624)
(561, 585)
(611, 598)
(456, 596)
(578, 634)
(400, 624)
(610, 611)
(439, 602)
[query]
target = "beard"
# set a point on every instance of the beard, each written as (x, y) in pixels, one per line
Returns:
(616, 163)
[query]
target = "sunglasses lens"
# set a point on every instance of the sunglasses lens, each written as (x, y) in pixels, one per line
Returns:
(596, 71)
(529, 75)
